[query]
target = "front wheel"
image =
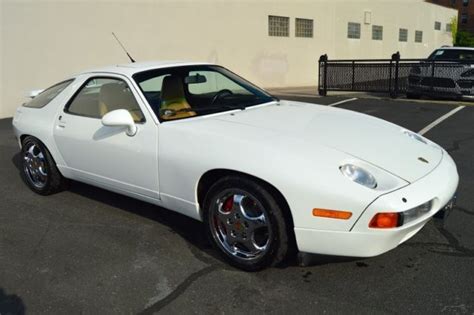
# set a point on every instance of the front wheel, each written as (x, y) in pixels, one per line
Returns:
(39, 169)
(245, 223)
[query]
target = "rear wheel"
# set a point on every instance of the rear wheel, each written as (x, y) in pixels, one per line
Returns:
(245, 223)
(39, 169)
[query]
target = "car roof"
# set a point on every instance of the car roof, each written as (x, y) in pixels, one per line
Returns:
(456, 48)
(135, 67)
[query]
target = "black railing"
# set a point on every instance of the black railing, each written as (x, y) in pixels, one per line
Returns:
(395, 76)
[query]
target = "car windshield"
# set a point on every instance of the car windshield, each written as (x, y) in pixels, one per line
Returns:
(452, 54)
(188, 91)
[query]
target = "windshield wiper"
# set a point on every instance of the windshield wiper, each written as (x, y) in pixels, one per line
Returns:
(241, 107)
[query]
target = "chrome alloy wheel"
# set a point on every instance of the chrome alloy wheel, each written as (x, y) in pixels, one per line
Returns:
(240, 225)
(35, 166)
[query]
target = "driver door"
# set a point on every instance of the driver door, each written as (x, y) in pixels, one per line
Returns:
(103, 155)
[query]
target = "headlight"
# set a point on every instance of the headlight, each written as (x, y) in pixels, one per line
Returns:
(387, 220)
(359, 175)
(416, 212)
(415, 136)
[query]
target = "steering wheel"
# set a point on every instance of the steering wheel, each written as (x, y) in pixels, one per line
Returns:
(220, 94)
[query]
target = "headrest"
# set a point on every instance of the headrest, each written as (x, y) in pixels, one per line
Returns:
(111, 93)
(172, 88)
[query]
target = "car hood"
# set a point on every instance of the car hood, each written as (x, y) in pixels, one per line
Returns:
(367, 138)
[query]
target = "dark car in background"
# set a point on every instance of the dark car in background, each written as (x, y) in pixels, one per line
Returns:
(447, 72)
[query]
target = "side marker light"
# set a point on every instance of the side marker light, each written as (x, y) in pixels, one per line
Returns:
(333, 214)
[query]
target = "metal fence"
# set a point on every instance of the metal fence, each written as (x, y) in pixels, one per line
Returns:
(395, 76)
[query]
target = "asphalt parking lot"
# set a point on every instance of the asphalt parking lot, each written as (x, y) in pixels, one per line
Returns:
(87, 250)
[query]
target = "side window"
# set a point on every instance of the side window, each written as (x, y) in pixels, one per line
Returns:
(102, 95)
(42, 99)
(466, 55)
(213, 83)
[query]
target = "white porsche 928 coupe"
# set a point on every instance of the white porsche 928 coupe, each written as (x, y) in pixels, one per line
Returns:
(264, 175)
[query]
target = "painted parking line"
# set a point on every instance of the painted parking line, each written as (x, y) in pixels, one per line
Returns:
(440, 120)
(343, 101)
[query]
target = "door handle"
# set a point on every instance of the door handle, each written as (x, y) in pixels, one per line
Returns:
(61, 122)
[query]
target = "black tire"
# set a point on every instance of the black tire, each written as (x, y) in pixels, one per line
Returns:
(413, 96)
(54, 181)
(278, 241)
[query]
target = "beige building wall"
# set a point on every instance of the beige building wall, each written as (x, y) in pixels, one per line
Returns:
(44, 41)
(392, 15)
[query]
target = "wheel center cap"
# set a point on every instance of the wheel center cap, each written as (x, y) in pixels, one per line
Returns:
(238, 225)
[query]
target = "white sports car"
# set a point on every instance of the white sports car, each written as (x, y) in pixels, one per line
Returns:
(265, 176)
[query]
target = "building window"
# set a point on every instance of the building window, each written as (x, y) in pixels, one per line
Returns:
(438, 26)
(377, 32)
(304, 28)
(453, 2)
(448, 27)
(403, 35)
(278, 26)
(464, 18)
(465, 3)
(353, 30)
(418, 36)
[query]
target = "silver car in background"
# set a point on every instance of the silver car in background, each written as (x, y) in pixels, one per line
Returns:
(447, 72)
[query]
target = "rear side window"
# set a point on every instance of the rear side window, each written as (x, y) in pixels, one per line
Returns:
(42, 99)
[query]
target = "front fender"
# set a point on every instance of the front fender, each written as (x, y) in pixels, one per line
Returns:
(307, 176)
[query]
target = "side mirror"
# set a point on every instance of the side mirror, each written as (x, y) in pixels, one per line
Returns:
(120, 118)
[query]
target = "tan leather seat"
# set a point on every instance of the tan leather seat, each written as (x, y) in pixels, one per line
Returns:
(114, 96)
(173, 97)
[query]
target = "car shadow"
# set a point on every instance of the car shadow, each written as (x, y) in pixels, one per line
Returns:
(187, 228)
(310, 260)
(11, 304)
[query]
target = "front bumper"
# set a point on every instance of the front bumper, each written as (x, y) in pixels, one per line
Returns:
(361, 241)
(440, 86)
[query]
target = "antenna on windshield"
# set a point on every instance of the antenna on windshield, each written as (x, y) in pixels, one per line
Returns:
(123, 47)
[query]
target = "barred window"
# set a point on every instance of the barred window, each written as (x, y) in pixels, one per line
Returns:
(438, 26)
(377, 32)
(465, 3)
(418, 36)
(403, 35)
(448, 27)
(464, 18)
(304, 28)
(353, 30)
(278, 26)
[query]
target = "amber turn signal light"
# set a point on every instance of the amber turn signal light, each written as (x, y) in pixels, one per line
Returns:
(334, 214)
(385, 220)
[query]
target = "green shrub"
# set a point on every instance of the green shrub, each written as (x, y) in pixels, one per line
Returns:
(464, 39)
